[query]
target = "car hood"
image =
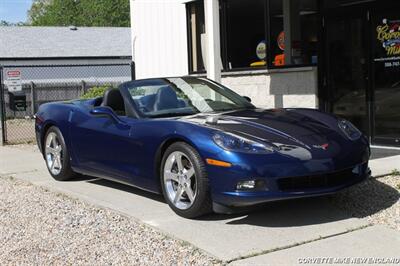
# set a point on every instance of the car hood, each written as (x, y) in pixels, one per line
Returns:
(276, 126)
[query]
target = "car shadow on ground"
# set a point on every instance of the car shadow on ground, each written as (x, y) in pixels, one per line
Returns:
(126, 188)
(119, 186)
(359, 201)
(289, 213)
(367, 198)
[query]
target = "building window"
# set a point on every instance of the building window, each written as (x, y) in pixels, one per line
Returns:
(196, 30)
(293, 31)
(258, 33)
(245, 31)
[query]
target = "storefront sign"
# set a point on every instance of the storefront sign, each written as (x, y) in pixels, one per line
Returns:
(13, 80)
(388, 34)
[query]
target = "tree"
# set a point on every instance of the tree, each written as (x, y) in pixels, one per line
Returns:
(6, 23)
(80, 13)
(37, 10)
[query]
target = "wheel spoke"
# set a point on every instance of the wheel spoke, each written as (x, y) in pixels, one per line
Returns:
(189, 193)
(178, 194)
(53, 162)
(178, 159)
(189, 172)
(51, 150)
(53, 141)
(49, 140)
(171, 176)
(58, 159)
(59, 148)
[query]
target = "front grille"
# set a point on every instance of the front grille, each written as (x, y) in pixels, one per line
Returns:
(317, 181)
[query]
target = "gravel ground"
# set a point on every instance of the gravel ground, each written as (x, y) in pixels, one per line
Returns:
(40, 227)
(377, 199)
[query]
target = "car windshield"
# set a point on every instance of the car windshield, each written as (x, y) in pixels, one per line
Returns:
(184, 96)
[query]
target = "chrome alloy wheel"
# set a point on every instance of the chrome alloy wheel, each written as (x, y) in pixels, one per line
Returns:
(180, 180)
(54, 153)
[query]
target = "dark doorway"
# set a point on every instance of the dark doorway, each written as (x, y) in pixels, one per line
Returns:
(346, 64)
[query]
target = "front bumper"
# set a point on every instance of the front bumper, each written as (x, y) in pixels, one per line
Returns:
(283, 188)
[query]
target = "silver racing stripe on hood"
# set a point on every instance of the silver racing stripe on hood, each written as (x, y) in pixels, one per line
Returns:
(300, 151)
(270, 129)
(224, 119)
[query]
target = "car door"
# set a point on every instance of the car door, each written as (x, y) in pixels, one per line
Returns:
(102, 145)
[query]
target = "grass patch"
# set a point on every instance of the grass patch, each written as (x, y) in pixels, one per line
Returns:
(395, 172)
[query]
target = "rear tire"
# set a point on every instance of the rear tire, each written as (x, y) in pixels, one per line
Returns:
(57, 156)
(184, 181)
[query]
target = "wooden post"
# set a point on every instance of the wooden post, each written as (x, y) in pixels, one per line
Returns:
(2, 110)
(33, 98)
(83, 87)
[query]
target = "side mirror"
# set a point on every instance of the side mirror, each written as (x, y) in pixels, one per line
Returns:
(105, 111)
(247, 98)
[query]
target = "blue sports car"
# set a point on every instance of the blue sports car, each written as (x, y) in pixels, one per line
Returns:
(201, 145)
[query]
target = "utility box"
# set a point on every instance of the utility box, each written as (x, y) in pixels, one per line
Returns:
(17, 101)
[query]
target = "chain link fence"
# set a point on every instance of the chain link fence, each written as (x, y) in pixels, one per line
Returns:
(24, 88)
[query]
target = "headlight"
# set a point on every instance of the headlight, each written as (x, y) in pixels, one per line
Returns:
(349, 129)
(235, 143)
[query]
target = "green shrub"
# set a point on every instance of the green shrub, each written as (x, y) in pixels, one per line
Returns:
(95, 92)
(395, 172)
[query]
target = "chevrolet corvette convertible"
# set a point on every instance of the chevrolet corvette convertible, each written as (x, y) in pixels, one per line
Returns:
(201, 145)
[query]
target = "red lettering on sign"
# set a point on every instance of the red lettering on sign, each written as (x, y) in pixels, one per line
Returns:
(13, 73)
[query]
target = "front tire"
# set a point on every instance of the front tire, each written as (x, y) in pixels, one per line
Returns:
(184, 181)
(57, 156)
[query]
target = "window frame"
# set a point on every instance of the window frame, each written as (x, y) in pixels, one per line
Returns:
(189, 39)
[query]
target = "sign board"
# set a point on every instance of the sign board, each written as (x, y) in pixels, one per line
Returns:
(388, 38)
(13, 80)
(17, 101)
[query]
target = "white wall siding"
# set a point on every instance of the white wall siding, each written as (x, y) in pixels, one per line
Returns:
(159, 37)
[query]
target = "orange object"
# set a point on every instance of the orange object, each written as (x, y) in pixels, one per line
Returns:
(218, 163)
(281, 41)
(279, 60)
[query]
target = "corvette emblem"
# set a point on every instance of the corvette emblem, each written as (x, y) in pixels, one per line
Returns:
(322, 146)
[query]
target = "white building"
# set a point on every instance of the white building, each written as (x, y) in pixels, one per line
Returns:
(341, 56)
(160, 37)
